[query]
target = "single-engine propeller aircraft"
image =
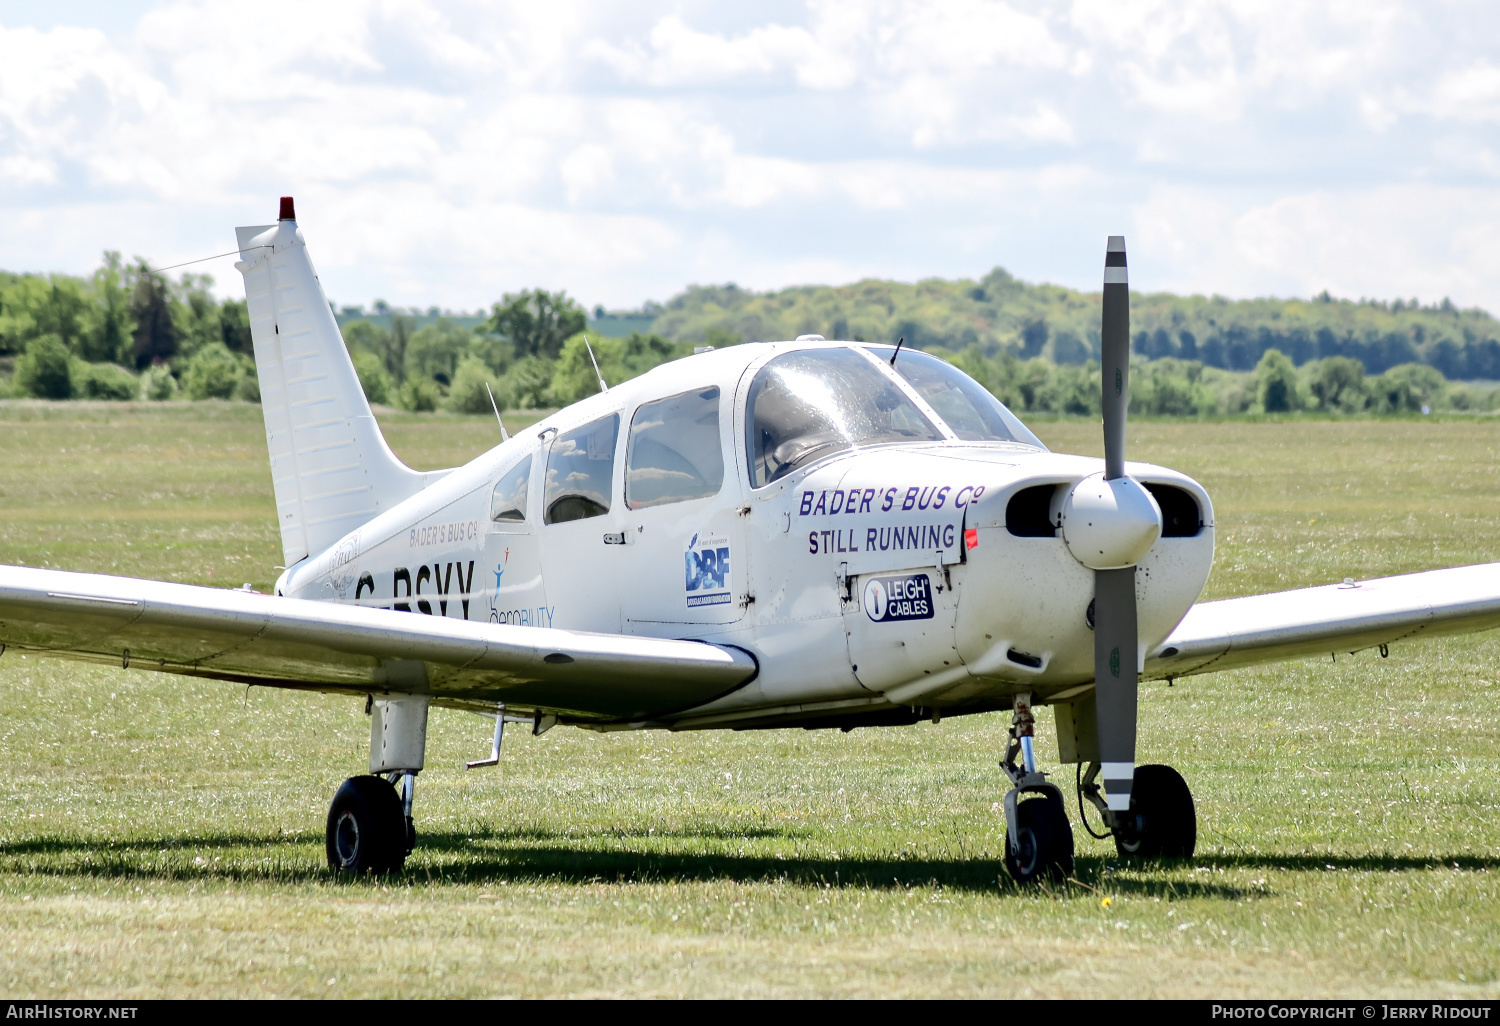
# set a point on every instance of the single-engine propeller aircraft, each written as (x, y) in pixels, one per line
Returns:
(783, 534)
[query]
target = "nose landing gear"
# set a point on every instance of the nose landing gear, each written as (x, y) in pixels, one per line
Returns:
(1038, 839)
(1162, 822)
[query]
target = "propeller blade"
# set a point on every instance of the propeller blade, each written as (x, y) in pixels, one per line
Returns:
(1115, 677)
(1114, 356)
(1114, 590)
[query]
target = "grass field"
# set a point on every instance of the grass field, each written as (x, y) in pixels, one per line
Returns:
(163, 836)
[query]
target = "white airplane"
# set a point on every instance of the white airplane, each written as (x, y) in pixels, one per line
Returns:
(789, 534)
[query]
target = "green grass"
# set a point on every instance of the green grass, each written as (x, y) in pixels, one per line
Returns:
(163, 836)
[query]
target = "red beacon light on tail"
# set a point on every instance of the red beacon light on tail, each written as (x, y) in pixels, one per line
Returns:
(288, 213)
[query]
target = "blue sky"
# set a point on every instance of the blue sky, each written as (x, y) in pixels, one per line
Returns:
(446, 153)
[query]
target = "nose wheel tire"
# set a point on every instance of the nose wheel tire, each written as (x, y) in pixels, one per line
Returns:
(367, 828)
(1044, 842)
(1162, 822)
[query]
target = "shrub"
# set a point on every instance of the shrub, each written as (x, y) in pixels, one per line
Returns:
(158, 384)
(469, 393)
(212, 373)
(1276, 384)
(420, 395)
(574, 377)
(104, 381)
(1408, 387)
(435, 351)
(373, 377)
(527, 384)
(1336, 383)
(248, 390)
(45, 370)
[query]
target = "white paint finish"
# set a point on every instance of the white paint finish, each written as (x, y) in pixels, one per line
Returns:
(330, 466)
(655, 593)
(583, 574)
(889, 653)
(1330, 618)
(287, 642)
(398, 733)
(1109, 524)
(511, 575)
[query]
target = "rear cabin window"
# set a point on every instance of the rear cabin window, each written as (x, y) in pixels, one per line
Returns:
(674, 452)
(580, 471)
(508, 504)
(809, 404)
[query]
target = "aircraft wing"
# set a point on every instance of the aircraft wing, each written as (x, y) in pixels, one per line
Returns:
(281, 642)
(1332, 618)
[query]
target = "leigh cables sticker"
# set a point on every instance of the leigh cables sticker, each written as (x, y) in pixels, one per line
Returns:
(905, 597)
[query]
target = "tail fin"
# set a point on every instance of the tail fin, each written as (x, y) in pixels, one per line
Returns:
(329, 463)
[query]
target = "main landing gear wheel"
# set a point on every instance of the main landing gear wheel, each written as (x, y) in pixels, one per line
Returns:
(1161, 823)
(1044, 842)
(367, 828)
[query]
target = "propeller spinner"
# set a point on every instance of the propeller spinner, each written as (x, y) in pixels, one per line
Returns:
(1109, 523)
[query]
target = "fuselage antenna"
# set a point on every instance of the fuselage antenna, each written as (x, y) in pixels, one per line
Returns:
(899, 342)
(504, 436)
(602, 386)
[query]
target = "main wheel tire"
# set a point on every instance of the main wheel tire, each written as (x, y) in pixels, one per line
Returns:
(366, 828)
(1162, 822)
(1044, 848)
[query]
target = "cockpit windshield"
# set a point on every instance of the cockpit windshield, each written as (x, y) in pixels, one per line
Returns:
(965, 405)
(809, 404)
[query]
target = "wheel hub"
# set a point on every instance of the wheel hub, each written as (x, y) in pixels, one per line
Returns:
(346, 838)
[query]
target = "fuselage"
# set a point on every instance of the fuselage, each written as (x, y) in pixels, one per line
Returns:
(920, 571)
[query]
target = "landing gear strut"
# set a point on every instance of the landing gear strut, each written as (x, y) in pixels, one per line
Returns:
(1038, 839)
(370, 827)
(1162, 822)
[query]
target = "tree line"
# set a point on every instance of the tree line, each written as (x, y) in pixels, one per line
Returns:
(127, 332)
(998, 313)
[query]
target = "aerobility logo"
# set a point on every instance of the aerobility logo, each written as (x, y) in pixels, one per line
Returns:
(499, 573)
(708, 579)
(905, 597)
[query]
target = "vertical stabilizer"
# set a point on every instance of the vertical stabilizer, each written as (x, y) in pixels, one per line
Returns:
(330, 465)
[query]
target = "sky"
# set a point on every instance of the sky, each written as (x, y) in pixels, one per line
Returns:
(445, 153)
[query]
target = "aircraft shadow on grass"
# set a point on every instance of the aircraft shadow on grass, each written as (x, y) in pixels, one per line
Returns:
(489, 857)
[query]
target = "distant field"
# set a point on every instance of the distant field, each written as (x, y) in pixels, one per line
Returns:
(164, 836)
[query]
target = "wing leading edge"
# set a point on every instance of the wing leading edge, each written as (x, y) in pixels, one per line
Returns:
(281, 642)
(1345, 617)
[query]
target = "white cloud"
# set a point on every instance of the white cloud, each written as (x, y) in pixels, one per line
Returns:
(1386, 241)
(1471, 94)
(446, 153)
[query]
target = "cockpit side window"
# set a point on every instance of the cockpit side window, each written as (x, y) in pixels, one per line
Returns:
(805, 405)
(965, 405)
(674, 453)
(580, 471)
(508, 504)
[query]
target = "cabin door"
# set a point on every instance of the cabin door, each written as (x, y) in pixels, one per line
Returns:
(684, 534)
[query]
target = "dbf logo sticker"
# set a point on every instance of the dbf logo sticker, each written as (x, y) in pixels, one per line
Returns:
(908, 597)
(708, 573)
